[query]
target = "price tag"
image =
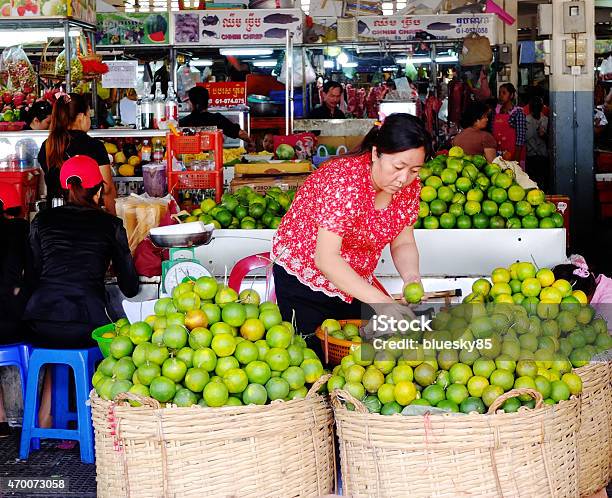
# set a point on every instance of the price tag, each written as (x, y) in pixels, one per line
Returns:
(121, 74)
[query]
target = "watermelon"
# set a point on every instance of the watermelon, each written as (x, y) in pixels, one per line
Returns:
(158, 37)
(154, 24)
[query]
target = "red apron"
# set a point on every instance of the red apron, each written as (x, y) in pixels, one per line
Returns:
(505, 135)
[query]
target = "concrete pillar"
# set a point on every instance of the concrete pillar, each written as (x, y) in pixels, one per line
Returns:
(510, 35)
(571, 100)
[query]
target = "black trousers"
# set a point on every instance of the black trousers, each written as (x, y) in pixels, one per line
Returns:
(61, 335)
(311, 307)
(538, 169)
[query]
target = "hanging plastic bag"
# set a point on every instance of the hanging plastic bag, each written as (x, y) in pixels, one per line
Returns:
(476, 51)
(606, 68)
(76, 67)
(140, 213)
(186, 78)
(20, 74)
(309, 73)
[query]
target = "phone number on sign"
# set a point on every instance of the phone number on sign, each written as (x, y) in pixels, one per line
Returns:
(48, 485)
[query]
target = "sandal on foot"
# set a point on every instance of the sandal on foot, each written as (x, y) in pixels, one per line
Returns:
(67, 445)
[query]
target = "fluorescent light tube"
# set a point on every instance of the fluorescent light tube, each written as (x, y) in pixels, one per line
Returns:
(246, 51)
(201, 62)
(413, 60)
(268, 63)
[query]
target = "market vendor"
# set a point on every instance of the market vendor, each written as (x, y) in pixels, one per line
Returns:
(328, 244)
(330, 99)
(473, 138)
(71, 249)
(38, 116)
(510, 126)
(198, 98)
(70, 122)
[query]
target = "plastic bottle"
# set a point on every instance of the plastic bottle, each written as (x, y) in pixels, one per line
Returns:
(146, 108)
(139, 114)
(145, 151)
(158, 151)
(171, 104)
(159, 107)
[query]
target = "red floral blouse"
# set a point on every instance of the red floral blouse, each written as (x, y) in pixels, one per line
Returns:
(339, 197)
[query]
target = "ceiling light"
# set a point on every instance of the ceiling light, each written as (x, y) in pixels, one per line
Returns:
(413, 60)
(33, 36)
(268, 63)
(447, 58)
(201, 62)
(390, 68)
(342, 58)
(328, 64)
(349, 64)
(246, 51)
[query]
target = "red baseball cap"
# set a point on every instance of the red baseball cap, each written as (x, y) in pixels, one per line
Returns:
(83, 167)
(9, 196)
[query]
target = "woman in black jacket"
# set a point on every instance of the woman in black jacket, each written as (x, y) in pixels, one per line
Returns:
(13, 250)
(71, 249)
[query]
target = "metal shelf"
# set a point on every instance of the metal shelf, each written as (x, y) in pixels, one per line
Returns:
(127, 178)
(126, 133)
(25, 23)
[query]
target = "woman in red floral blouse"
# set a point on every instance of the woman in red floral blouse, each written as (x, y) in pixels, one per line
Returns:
(328, 244)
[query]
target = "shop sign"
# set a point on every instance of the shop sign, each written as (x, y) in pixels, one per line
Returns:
(237, 27)
(121, 74)
(81, 10)
(225, 94)
(123, 28)
(427, 27)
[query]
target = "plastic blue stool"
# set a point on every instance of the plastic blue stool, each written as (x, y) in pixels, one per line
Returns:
(82, 362)
(16, 355)
(59, 398)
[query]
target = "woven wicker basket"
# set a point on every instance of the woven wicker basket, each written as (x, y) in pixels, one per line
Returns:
(284, 449)
(528, 453)
(595, 434)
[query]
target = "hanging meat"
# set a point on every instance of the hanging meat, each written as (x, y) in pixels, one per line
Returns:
(456, 93)
(432, 107)
(351, 99)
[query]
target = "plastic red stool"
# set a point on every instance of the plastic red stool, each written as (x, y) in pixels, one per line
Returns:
(248, 264)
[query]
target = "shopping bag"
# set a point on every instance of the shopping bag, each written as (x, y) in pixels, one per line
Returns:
(476, 51)
(309, 73)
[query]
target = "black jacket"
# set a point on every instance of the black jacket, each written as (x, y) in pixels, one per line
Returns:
(323, 112)
(13, 251)
(80, 143)
(197, 119)
(71, 248)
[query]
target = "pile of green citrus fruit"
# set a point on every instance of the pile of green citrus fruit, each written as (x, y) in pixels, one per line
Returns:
(245, 209)
(522, 283)
(347, 332)
(208, 345)
(522, 329)
(460, 191)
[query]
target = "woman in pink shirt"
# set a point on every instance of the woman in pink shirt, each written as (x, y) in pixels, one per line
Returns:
(328, 244)
(597, 289)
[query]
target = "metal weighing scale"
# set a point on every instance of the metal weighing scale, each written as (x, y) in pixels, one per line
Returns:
(182, 264)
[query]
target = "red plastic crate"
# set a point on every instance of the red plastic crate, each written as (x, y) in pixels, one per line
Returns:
(194, 144)
(194, 180)
(26, 183)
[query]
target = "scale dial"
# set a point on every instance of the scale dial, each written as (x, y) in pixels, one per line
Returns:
(182, 270)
